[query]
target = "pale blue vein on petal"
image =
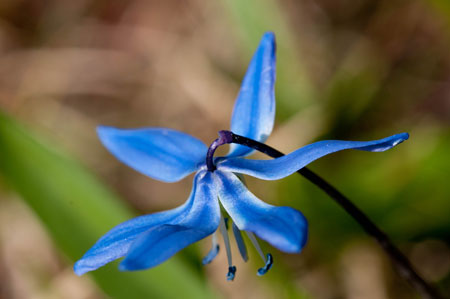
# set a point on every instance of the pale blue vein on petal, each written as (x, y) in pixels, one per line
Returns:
(254, 110)
(161, 242)
(281, 167)
(163, 154)
(283, 227)
(116, 243)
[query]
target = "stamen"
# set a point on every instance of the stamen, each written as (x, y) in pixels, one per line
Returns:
(226, 240)
(231, 273)
(226, 222)
(268, 260)
(240, 242)
(213, 252)
(255, 243)
(267, 266)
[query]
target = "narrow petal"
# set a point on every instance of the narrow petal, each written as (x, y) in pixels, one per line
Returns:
(254, 110)
(116, 243)
(162, 241)
(281, 167)
(283, 227)
(163, 154)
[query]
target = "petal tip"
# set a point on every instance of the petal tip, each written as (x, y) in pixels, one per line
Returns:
(270, 35)
(101, 129)
(404, 136)
(296, 247)
(293, 248)
(104, 132)
(269, 40)
(399, 138)
(80, 269)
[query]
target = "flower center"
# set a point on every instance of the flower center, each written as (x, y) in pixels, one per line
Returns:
(225, 137)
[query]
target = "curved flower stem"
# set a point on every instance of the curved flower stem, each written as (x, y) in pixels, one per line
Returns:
(225, 137)
(400, 262)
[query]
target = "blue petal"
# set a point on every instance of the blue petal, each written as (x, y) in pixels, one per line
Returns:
(161, 242)
(116, 243)
(254, 110)
(163, 154)
(283, 227)
(281, 167)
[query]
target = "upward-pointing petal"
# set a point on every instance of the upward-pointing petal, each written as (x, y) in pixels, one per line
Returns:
(163, 154)
(281, 167)
(254, 110)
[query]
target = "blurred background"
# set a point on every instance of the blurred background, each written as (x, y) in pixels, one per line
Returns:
(355, 70)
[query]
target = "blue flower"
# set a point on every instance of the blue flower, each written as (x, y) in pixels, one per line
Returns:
(169, 156)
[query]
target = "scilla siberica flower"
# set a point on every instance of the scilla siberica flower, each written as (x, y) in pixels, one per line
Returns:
(168, 155)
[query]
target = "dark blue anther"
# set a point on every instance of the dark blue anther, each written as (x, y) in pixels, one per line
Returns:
(211, 255)
(231, 273)
(225, 137)
(269, 262)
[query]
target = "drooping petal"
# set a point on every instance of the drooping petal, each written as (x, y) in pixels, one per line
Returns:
(163, 154)
(116, 243)
(281, 167)
(283, 227)
(162, 241)
(254, 110)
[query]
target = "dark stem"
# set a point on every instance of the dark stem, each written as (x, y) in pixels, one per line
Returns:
(400, 262)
